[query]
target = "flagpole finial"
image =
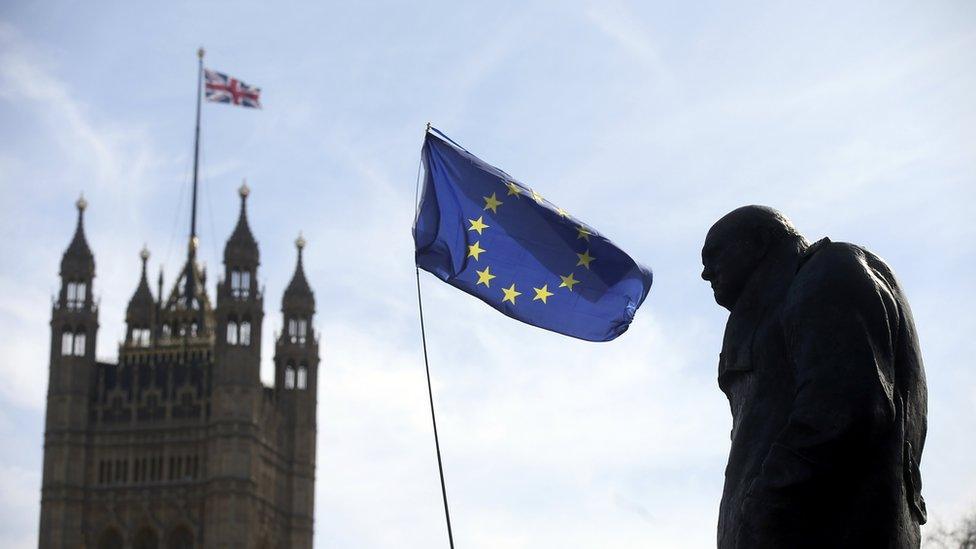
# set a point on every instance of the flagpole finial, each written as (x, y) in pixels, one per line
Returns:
(244, 190)
(81, 204)
(200, 52)
(300, 241)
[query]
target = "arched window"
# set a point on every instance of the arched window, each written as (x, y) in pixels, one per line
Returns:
(67, 343)
(232, 331)
(240, 283)
(245, 337)
(79, 343)
(292, 330)
(110, 539)
(301, 381)
(75, 294)
(166, 331)
(146, 539)
(290, 376)
(297, 330)
(194, 328)
(140, 337)
(180, 538)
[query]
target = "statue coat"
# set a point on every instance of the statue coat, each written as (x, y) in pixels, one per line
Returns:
(823, 373)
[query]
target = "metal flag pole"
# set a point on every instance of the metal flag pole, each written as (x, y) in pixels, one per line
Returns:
(192, 248)
(430, 391)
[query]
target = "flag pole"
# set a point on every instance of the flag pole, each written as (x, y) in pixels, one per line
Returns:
(196, 154)
(194, 242)
(430, 391)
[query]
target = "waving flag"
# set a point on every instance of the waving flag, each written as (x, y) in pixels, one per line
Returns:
(224, 89)
(494, 237)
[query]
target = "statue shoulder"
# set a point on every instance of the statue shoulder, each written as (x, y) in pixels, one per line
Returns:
(837, 273)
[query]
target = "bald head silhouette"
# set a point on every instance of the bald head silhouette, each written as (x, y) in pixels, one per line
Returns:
(738, 243)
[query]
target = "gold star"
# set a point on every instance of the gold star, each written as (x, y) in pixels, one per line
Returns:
(484, 277)
(510, 294)
(537, 197)
(585, 258)
(561, 212)
(478, 224)
(542, 293)
(512, 189)
(475, 250)
(568, 281)
(583, 233)
(492, 203)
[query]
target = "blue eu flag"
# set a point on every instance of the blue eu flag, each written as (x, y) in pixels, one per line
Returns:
(484, 232)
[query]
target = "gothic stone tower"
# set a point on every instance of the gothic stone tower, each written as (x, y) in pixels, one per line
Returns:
(179, 444)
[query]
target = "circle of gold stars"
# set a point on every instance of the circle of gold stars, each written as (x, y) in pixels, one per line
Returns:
(511, 293)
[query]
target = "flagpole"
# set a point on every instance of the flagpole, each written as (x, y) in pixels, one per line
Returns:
(196, 156)
(430, 391)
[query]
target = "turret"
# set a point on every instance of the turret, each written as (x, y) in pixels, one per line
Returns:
(298, 302)
(240, 305)
(236, 401)
(74, 326)
(241, 256)
(77, 266)
(296, 384)
(141, 312)
(74, 318)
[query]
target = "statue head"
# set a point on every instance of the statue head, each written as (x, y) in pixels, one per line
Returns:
(738, 243)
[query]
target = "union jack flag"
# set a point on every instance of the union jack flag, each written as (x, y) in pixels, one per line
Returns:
(224, 89)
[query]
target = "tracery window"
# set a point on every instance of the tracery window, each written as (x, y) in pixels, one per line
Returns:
(76, 292)
(297, 330)
(140, 337)
(232, 331)
(240, 283)
(79, 343)
(67, 343)
(245, 332)
(290, 376)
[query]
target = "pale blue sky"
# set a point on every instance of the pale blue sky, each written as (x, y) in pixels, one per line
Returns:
(649, 121)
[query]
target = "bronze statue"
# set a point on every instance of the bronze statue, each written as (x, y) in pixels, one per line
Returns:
(823, 372)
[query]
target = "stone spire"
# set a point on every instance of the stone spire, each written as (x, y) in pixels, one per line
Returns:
(241, 249)
(141, 305)
(78, 260)
(298, 295)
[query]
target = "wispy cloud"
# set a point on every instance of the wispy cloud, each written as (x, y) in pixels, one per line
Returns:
(110, 161)
(622, 25)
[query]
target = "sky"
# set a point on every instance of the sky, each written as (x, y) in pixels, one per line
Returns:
(648, 120)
